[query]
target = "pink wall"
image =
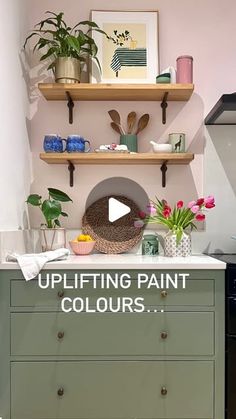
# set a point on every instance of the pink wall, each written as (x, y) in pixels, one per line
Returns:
(206, 30)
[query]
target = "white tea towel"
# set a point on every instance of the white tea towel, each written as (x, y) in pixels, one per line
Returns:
(32, 263)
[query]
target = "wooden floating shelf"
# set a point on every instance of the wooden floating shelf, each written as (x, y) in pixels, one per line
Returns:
(126, 92)
(123, 158)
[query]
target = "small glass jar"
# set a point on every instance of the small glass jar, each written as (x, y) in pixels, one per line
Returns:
(150, 245)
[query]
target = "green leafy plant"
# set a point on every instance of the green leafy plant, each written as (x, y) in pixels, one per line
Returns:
(60, 40)
(51, 207)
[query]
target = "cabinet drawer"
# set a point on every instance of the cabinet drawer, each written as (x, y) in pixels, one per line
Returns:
(111, 390)
(197, 293)
(168, 333)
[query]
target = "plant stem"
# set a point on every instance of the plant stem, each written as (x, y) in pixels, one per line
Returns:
(49, 223)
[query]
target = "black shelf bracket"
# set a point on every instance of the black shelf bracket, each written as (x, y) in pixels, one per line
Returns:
(164, 105)
(71, 169)
(70, 105)
(163, 171)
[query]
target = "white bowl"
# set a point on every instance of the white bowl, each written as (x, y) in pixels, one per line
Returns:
(162, 148)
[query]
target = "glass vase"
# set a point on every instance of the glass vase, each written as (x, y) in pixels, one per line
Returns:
(172, 249)
(52, 238)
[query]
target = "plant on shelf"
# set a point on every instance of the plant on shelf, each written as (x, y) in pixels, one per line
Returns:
(53, 236)
(66, 47)
(178, 219)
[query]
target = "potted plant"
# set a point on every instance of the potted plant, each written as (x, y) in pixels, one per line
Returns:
(66, 47)
(178, 220)
(52, 235)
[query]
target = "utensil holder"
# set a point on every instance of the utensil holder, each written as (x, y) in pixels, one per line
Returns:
(131, 140)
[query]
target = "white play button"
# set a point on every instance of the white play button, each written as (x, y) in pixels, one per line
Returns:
(116, 210)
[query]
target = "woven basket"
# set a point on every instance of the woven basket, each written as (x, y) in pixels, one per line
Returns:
(117, 237)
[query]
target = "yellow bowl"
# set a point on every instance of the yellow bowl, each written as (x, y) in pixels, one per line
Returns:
(82, 248)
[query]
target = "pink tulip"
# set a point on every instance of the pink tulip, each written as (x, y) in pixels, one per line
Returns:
(142, 215)
(208, 205)
(138, 224)
(195, 209)
(191, 204)
(151, 209)
(209, 199)
(200, 201)
(180, 204)
(166, 212)
(200, 217)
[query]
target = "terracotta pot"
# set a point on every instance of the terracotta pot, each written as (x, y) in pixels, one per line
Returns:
(172, 249)
(67, 70)
(52, 238)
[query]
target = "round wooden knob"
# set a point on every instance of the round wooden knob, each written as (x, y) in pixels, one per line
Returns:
(60, 335)
(164, 294)
(164, 335)
(163, 391)
(60, 391)
(60, 293)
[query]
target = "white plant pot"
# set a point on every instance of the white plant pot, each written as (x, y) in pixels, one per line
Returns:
(171, 249)
(52, 238)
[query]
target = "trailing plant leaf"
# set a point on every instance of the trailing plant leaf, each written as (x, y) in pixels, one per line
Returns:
(58, 195)
(51, 209)
(74, 43)
(50, 52)
(34, 200)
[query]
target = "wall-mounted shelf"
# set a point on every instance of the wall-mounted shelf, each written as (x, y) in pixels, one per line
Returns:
(116, 92)
(107, 158)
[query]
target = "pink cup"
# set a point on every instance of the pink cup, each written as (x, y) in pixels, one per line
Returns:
(184, 65)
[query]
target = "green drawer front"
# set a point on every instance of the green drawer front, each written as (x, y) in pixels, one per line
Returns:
(112, 390)
(112, 333)
(197, 293)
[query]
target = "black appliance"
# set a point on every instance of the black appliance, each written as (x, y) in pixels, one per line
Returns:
(224, 111)
(230, 334)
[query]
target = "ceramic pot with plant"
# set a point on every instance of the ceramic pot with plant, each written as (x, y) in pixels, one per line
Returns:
(179, 220)
(53, 236)
(65, 47)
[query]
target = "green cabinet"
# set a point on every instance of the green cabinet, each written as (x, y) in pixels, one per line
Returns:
(167, 364)
(112, 334)
(112, 389)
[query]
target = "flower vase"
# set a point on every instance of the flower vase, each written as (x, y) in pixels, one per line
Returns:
(52, 238)
(172, 249)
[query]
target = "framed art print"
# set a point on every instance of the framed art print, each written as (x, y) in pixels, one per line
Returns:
(130, 55)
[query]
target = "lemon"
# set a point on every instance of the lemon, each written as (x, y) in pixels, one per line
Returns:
(81, 238)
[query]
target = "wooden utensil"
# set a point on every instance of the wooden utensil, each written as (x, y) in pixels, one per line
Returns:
(142, 123)
(115, 117)
(116, 128)
(131, 118)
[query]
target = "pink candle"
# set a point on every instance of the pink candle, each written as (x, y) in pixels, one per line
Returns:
(184, 69)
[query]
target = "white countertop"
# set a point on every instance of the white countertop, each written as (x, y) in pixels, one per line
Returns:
(129, 261)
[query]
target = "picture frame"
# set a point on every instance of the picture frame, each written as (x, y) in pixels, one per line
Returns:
(131, 55)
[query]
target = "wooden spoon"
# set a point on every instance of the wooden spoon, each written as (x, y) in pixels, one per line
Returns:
(142, 123)
(115, 117)
(116, 128)
(131, 118)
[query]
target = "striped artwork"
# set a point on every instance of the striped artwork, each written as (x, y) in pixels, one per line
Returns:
(125, 57)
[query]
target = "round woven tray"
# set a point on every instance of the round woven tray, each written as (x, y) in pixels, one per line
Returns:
(117, 237)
